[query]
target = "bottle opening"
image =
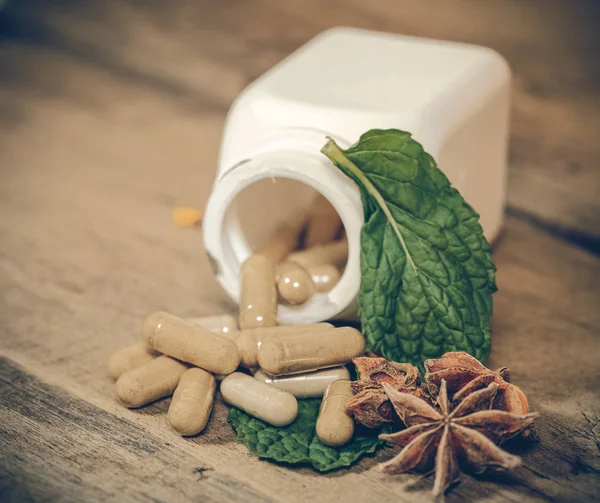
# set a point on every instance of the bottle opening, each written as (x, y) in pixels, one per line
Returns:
(254, 199)
(295, 226)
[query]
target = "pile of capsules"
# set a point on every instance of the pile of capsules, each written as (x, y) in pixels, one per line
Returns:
(186, 358)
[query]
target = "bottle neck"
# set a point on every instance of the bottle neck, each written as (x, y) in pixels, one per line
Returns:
(228, 244)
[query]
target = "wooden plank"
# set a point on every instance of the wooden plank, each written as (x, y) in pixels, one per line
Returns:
(183, 50)
(107, 123)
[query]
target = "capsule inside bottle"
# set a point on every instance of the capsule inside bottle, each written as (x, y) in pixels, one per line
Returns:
(324, 277)
(294, 283)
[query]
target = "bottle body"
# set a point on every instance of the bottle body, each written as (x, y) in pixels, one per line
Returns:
(455, 100)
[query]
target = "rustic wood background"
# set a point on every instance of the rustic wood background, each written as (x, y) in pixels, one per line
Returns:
(110, 115)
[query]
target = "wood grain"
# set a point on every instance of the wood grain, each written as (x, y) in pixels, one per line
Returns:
(111, 114)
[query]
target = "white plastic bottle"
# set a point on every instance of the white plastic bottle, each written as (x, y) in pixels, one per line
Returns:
(454, 98)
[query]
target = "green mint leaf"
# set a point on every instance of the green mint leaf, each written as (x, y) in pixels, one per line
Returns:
(427, 274)
(298, 442)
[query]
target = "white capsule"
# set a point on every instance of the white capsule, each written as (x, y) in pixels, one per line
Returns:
(306, 385)
(261, 400)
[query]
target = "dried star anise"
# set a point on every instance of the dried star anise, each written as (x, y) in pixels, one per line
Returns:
(465, 374)
(371, 406)
(442, 439)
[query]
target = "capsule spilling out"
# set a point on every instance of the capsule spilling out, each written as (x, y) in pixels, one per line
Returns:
(259, 399)
(306, 385)
(221, 324)
(130, 358)
(151, 381)
(192, 402)
(190, 343)
(258, 297)
(334, 427)
(301, 352)
(251, 339)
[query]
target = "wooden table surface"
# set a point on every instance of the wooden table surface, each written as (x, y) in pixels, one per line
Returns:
(110, 115)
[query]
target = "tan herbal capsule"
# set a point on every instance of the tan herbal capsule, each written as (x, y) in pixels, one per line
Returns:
(306, 385)
(192, 402)
(334, 427)
(258, 299)
(294, 283)
(259, 399)
(323, 223)
(284, 240)
(221, 324)
(294, 353)
(154, 380)
(250, 340)
(190, 343)
(324, 277)
(331, 253)
(130, 358)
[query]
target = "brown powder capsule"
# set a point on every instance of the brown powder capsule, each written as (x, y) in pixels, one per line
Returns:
(323, 223)
(334, 427)
(294, 283)
(258, 299)
(331, 253)
(251, 339)
(130, 358)
(220, 324)
(192, 402)
(150, 382)
(190, 343)
(324, 277)
(301, 352)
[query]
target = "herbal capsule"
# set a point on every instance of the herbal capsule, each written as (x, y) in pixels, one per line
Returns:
(222, 324)
(334, 427)
(258, 299)
(259, 399)
(154, 380)
(192, 402)
(306, 385)
(323, 224)
(190, 343)
(294, 353)
(331, 253)
(250, 340)
(130, 358)
(324, 277)
(294, 283)
(285, 239)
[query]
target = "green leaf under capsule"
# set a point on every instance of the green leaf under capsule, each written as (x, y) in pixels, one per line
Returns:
(298, 443)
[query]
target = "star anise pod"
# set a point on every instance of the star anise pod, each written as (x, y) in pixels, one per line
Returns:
(465, 374)
(371, 406)
(443, 439)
